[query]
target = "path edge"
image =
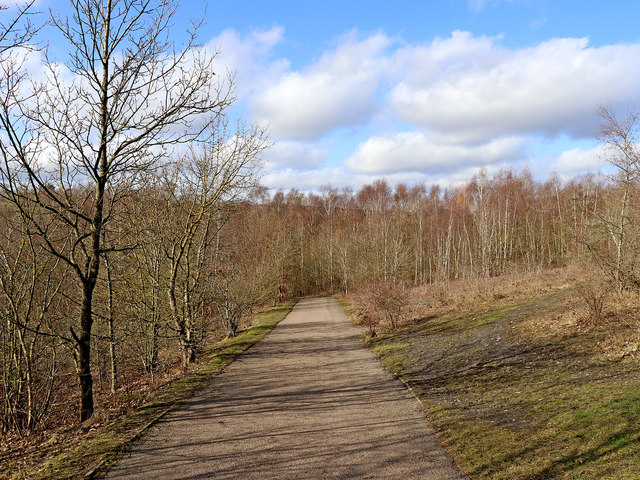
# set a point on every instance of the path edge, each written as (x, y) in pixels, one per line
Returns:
(102, 467)
(345, 305)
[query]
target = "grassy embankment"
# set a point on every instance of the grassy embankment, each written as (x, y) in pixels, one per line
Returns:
(519, 385)
(64, 457)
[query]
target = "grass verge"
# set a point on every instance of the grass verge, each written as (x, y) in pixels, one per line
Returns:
(511, 396)
(539, 424)
(92, 456)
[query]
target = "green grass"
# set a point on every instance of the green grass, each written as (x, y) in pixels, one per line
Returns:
(551, 410)
(462, 320)
(394, 356)
(488, 318)
(578, 434)
(117, 437)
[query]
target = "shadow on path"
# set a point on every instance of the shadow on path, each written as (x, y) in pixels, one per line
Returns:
(307, 402)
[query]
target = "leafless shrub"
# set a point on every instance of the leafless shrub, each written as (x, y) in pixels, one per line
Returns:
(368, 320)
(594, 293)
(382, 301)
(365, 312)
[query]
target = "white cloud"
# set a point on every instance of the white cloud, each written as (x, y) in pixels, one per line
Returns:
(415, 151)
(479, 5)
(462, 103)
(472, 89)
(340, 177)
(296, 155)
(307, 180)
(577, 161)
(308, 106)
(462, 88)
(338, 90)
(426, 64)
(250, 56)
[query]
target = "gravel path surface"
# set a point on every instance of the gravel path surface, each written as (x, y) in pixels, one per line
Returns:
(307, 402)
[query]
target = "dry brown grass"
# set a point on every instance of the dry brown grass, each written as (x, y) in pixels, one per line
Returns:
(591, 305)
(482, 293)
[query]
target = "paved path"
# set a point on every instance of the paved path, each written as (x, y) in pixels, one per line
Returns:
(307, 402)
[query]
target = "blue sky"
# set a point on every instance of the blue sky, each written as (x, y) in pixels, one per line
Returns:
(423, 91)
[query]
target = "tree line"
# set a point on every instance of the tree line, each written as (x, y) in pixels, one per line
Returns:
(340, 240)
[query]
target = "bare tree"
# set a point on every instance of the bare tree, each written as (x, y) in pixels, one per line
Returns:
(200, 191)
(622, 151)
(30, 286)
(19, 30)
(148, 212)
(126, 96)
(21, 316)
(248, 267)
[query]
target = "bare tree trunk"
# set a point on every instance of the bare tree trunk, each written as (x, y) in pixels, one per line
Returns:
(111, 330)
(83, 355)
(619, 239)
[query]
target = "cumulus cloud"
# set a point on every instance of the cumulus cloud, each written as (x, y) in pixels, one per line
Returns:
(249, 56)
(341, 177)
(308, 180)
(338, 90)
(578, 160)
(295, 155)
(415, 151)
(449, 105)
(463, 88)
(472, 89)
(338, 177)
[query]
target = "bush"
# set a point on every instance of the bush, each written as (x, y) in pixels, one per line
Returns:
(594, 294)
(381, 301)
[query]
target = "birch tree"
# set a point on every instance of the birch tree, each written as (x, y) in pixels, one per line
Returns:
(200, 191)
(619, 139)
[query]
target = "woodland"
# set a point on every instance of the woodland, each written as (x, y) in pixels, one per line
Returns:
(134, 230)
